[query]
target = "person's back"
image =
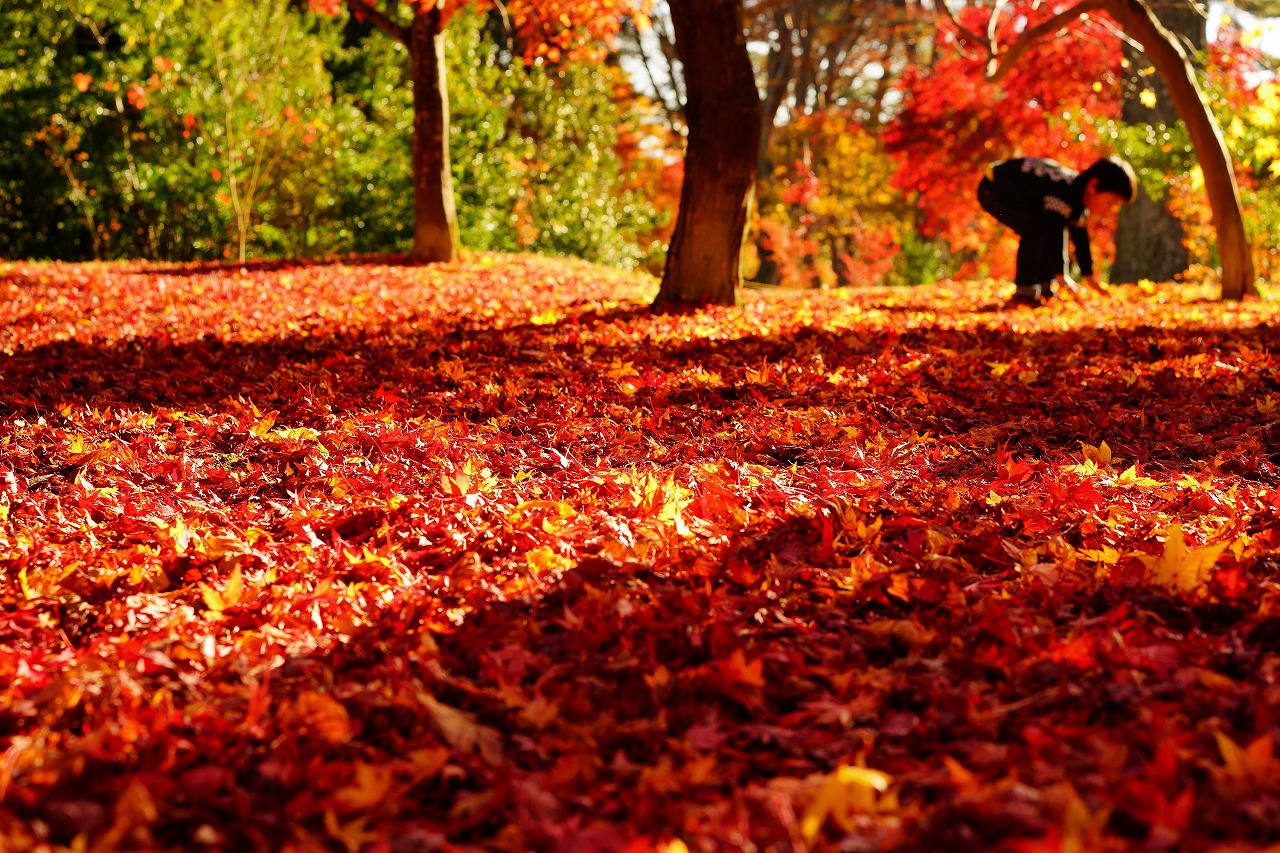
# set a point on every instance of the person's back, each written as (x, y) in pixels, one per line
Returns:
(1043, 201)
(1034, 184)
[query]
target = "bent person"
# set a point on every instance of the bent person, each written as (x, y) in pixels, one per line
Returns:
(1044, 202)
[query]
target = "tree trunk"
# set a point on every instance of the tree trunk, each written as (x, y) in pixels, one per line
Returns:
(1149, 238)
(1149, 242)
(778, 72)
(723, 116)
(1166, 54)
(435, 219)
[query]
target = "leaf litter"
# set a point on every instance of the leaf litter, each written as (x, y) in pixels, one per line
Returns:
(488, 556)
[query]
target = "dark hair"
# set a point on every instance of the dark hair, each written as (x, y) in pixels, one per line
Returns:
(1114, 176)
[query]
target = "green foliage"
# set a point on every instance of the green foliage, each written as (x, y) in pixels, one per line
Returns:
(163, 129)
(1249, 114)
(535, 165)
(216, 128)
(920, 260)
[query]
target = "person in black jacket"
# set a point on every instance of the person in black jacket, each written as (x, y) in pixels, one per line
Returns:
(1044, 201)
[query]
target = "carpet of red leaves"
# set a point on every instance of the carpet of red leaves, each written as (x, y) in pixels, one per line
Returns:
(489, 557)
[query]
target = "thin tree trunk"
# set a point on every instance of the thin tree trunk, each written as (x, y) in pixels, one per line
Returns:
(1169, 59)
(778, 72)
(435, 219)
(1149, 238)
(723, 116)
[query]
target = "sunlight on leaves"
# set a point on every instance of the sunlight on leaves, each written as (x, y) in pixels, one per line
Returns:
(1181, 569)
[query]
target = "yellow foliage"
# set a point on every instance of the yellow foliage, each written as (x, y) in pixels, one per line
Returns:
(1179, 568)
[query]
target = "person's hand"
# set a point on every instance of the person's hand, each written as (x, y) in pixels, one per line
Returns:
(1068, 284)
(1094, 284)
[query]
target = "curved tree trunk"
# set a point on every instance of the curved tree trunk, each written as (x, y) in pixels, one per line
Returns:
(435, 218)
(1166, 54)
(1149, 238)
(723, 116)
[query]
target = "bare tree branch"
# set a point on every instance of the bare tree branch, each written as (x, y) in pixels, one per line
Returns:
(362, 9)
(999, 66)
(955, 22)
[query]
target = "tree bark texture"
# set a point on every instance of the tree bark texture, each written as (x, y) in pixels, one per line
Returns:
(1136, 18)
(1149, 238)
(723, 117)
(435, 217)
(1149, 242)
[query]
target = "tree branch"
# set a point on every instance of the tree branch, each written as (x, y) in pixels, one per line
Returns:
(955, 22)
(998, 68)
(362, 9)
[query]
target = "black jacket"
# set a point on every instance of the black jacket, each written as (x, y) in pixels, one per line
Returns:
(1047, 193)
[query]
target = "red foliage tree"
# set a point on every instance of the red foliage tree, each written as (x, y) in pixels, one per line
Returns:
(954, 121)
(548, 29)
(1033, 27)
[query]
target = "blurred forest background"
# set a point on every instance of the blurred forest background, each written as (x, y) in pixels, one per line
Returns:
(226, 129)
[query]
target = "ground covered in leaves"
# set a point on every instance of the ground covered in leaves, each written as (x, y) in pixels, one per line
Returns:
(489, 557)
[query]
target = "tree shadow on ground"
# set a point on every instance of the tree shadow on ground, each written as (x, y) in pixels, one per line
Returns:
(884, 380)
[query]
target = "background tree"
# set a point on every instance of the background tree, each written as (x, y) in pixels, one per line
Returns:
(952, 121)
(127, 140)
(246, 89)
(1137, 20)
(547, 29)
(546, 156)
(1149, 237)
(828, 57)
(704, 260)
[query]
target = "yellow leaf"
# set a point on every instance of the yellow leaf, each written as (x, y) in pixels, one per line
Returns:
(1106, 555)
(622, 369)
(742, 671)
(1252, 765)
(842, 795)
(212, 598)
(1088, 469)
(135, 808)
(353, 835)
(1148, 98)
(178, 534)
(1268, 147)
(1131, 477)
(234, 590)
(659, 678)
(1182, 569)
(262, 427)
(540, 712)
(27, 592)
(544, 559)
(1269, 96)
(461, 730)
(1100, 454)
